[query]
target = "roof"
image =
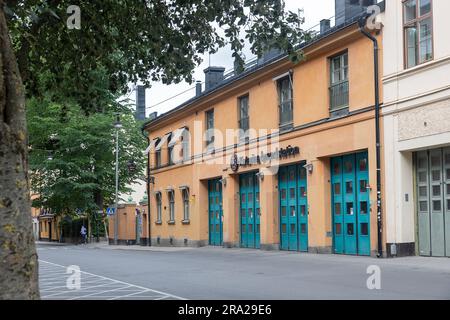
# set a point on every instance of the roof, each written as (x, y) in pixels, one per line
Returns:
(247, 72)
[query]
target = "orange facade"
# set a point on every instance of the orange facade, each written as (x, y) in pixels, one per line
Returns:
(319, 134)
(133, 224)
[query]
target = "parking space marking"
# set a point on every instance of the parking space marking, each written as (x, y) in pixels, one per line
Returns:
(53, 286)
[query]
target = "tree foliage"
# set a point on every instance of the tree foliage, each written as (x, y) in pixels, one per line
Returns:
(148, 40)
(120, 41)
(72, 156)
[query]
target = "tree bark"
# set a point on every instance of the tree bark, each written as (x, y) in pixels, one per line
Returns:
(18, 258)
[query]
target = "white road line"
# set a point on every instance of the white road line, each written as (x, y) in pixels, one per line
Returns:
(84, 294)
(130, 295)
(82, 289)
(97, 293)
(121, 282)
(59, 298)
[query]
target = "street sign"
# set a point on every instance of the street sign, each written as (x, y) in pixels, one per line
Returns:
(110, 211)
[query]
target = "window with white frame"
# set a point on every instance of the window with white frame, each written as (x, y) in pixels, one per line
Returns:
(171, 196)
(185, 145)
(418, 31)
(158, 196)
(158, 155)
(185, 193)
(210, 130)
(170, 154)
(339, 85)
(244, 117)
(286, 106)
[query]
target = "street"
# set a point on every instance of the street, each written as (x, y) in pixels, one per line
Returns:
(122, 273)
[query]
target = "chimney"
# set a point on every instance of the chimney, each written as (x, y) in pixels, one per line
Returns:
(348, 9)
(325, 25)
(153, 115)
(140, 103)
(269, 55)
(198, 88)
(213, 76)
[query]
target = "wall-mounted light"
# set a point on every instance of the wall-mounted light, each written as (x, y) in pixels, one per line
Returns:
(152, 180)
(260, 176)
(117, 123)
(131, 166)
(224, 182)
(309, 168)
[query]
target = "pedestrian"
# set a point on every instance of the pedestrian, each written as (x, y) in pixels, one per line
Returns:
(83, 234)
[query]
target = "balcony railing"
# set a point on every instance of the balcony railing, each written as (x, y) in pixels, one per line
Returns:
(339, 96)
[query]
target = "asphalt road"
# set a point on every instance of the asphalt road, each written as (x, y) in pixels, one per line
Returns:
(237, 274)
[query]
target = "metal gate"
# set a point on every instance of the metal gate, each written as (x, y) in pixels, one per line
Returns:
(433, 202)
(294, 211)
(215, 212)
(351, 204)
(250, 211)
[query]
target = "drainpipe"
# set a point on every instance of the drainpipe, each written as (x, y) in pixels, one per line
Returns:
(362, 25)
(148, 192)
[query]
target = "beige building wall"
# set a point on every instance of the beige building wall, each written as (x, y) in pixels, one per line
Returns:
(416, 115)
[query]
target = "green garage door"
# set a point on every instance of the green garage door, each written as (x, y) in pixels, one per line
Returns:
(433, 202)
(215, 212)
(292, 186)
(351, 204)
(250, 211)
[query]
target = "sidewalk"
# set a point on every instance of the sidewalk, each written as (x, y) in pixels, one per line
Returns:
(48, 243)
(105, 245)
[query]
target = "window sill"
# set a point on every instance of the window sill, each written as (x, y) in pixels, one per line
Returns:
(340, 112)
(286, 127)
(186, 222)
(158, 223)
(171, 223)
(209, 151)
(244, 140)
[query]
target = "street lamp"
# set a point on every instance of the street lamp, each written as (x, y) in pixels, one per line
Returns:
(118, 126)
(131, 166)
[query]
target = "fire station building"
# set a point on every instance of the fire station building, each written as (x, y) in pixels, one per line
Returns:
(299, 174)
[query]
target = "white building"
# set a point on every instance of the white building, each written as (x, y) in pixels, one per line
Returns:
(416, 120)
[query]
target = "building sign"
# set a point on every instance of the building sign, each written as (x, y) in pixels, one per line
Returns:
(284, 153)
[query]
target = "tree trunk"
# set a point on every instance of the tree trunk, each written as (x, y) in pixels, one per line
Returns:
(18, 258)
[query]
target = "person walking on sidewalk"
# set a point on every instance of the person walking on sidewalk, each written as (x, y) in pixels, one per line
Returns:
(83, 234)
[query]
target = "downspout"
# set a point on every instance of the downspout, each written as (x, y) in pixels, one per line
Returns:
(148, 191)
(362, 25)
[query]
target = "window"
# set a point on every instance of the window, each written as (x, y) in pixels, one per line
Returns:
(171, 195)
(244, 118)
(185, 143)
(158, 158)
(158, 207)
(285, 96)
(170, 151)
(185, 204)
(158, 147)
(339, 86)
(210, 129)
(418, 32)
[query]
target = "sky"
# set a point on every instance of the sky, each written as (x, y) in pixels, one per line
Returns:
(314, 11)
